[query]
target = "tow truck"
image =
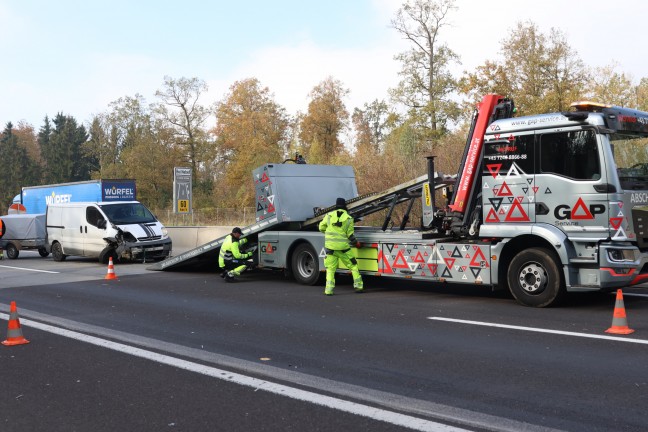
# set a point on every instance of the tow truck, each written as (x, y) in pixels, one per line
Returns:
(541, 205)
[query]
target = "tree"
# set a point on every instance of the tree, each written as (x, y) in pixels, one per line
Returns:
(567, 75)
(150, 160)
(128, 142)
(251, 130)
(18, 168)
(98, 146)
(641, 92)
(611, 87)
(372, 124)
(325, 119)
(540, 73)
(181, 110)
(427, 83)
(61, 150)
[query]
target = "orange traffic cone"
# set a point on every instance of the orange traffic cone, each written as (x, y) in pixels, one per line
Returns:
(14, 333)
(619, 320)
(111, 270)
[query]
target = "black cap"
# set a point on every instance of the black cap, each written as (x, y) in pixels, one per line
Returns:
(237, 230)
(340, 203)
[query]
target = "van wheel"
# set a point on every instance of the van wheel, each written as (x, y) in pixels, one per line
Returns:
(57, 252)
(106, 254)
(535, 278)
(43, 252)
(12, 251)
(305, 265)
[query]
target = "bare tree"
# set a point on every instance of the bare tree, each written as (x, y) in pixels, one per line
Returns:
(181, 110)
(426, 83)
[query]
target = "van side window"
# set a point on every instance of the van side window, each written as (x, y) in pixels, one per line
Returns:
(93, 215)
(570, 154)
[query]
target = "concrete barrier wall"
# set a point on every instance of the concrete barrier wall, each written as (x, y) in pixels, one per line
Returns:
(190, 237)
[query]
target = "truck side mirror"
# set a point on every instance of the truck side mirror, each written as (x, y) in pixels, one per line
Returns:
(101, 223)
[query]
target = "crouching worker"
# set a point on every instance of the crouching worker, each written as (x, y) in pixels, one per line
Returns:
(338, 230)
(231, 259)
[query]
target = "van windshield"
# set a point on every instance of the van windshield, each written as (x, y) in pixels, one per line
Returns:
(127, 213)
(631, 158)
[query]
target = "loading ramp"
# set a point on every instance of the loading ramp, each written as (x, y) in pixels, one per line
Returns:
(286, 200)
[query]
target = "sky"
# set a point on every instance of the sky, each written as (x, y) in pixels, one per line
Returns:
(78, 56)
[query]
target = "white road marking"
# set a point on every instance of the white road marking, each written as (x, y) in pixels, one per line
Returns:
(540, 330)
(28, 269)
(633, 295)
(255, 383)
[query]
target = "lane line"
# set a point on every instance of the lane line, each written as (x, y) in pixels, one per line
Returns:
(539, 330)
(28, 269)
(390, 401)
(255, 383)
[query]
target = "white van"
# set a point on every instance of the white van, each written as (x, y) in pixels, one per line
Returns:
(124, 229)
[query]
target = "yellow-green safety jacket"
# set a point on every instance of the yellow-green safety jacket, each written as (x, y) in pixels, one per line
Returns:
(338, 228)
(231, 250)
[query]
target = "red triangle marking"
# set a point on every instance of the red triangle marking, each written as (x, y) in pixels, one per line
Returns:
(492, 216)
(524, 217)
(449, 262)
(433, 268)
(400, 261)
(381, 259)
(264, 178)
(616, 222)
(504, 190)
(478, 258)
(580, 206)
(419, 258)
(494, 169)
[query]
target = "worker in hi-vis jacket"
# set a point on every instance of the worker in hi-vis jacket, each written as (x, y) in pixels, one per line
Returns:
(230, 258)
(338, 230)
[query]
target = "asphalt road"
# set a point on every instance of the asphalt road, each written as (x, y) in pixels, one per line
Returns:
(186, 351)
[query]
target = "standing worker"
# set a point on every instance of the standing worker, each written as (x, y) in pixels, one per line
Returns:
(231, 259)
(337, 226)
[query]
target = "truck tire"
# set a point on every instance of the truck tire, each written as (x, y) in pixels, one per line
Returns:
(535, 278)
(57, 252)
(12, 251)
(43, 252)
(305, 265)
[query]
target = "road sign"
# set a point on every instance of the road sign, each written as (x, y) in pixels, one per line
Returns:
(182, 190)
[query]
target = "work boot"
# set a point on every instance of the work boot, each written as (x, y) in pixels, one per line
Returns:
(229, 277)
(223, 274)
(359, 290)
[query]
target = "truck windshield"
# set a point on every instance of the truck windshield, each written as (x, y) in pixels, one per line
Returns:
(631, 158)
(127, 213)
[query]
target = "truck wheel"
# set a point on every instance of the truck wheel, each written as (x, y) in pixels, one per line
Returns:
(12, 251)
(305, 265)
(535, 278)
(43, 252)
(57, 252)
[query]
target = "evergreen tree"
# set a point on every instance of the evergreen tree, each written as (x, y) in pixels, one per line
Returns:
(61, 148)
(18, 169)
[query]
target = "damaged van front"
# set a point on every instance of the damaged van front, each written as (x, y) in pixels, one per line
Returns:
(121, 230)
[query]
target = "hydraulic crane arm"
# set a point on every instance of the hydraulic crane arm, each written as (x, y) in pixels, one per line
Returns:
(491, 108)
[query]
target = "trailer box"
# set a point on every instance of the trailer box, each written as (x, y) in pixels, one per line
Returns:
(35, 199)
(24, 231)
